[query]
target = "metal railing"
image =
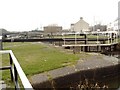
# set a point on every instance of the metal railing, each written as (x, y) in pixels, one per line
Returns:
(15, 71)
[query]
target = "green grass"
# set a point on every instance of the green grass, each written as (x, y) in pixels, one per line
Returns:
(95, 36)
(78, 36)
(36, 58)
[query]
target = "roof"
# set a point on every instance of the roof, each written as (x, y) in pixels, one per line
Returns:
(81, 20)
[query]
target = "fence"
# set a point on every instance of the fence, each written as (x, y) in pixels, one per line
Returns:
(15, 71)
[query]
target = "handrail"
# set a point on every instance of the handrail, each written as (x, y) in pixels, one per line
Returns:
(17, 71)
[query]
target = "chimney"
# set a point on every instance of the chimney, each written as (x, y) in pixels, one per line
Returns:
(81, 18)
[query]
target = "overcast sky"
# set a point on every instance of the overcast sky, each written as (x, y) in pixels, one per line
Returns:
(26, 15)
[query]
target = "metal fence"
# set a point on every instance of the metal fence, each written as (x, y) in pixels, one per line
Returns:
(15, 71)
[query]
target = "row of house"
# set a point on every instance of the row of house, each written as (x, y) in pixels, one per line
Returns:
(83, 27)
(79, 27)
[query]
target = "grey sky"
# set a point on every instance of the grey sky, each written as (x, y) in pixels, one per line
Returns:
(26, 15)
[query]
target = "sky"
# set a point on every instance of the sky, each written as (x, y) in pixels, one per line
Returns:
(27, 15)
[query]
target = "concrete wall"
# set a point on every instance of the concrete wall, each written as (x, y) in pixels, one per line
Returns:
(64, 80)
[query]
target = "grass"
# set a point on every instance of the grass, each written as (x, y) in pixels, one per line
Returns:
(78, 36)
(36, 58)
(95, 36)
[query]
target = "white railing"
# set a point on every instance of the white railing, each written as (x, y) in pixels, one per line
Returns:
(15, 70)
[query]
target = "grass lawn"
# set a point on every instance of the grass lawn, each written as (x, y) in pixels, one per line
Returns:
(35, 58)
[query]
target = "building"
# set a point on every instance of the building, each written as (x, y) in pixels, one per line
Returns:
(52, 29)
(98, 26)
(119, 18)
(65, 31)
(81, 26)
(114, 26)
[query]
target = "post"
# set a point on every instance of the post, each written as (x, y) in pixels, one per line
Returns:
(108, 38)
(16, 79)
(11, 62)
(86, 47)
(97, 35)
(1, 46)
(111, 37)
(116, 37)
(75, 39)
(63, 37)
(85, 39)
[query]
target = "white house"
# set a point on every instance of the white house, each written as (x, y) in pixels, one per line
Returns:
(114, 26)
(81, 26)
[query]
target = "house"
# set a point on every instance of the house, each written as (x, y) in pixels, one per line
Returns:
(119, 18)
(81, 26)
(114, 26)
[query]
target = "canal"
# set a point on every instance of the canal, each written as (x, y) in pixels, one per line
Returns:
(111, 82)
(114, 82)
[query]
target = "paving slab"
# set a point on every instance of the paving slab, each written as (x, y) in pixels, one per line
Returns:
(41, 81)
(61, 72)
